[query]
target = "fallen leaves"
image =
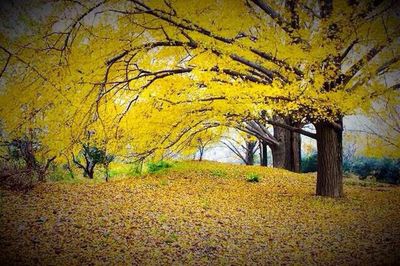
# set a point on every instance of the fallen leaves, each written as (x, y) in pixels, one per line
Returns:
(191, 215)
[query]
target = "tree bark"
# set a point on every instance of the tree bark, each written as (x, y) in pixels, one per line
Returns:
(263, 153)
(295, 142)
(90, 172)
(278, 156)
(281, 152)
(201, 153)
(287, 154)
(329, 167)
(285, 143)
(249, 156)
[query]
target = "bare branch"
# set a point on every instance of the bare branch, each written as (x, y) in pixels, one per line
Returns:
(233, 148)
(77, 22)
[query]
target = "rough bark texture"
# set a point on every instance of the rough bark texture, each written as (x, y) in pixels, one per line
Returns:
(250, 150)
(295, 143)
(281, 152)
(286, 155)
(329, 145)
(90, 172)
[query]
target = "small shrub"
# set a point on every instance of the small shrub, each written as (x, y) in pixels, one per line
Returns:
(309, 163)
(92, 156)
(154, 167)
(385, 170)
(253, 178)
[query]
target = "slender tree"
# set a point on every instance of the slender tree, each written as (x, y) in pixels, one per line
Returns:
(244, 147)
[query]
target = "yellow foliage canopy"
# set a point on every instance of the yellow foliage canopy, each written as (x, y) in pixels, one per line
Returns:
(146, 76)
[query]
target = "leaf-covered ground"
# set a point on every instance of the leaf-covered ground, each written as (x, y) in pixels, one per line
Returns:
(200, 213)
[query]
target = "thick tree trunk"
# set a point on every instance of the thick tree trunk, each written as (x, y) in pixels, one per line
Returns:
(249, 156)
(295, 142)
(286, 155)
(329, 145)
(281, 152)
(90, 172)
(263, 153)
(278, 156)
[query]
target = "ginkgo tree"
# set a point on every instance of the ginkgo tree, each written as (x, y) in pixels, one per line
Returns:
(150, 74)
(243, 146)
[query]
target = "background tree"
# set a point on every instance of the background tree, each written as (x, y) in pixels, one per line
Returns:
(284, 143)
(243, 146)
(92, 156)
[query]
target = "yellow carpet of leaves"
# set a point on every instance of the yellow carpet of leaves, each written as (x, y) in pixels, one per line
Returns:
(200, 213)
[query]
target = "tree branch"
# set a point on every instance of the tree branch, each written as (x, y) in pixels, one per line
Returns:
(294, 129)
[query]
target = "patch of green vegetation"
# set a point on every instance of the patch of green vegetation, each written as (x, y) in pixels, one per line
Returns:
(154, 167)
(131, 169)
(383, 170)
(253, 178)
(218, 173)
(309, 163)
(60, 174)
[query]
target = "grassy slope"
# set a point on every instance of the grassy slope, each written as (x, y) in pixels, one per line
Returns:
(200, 213)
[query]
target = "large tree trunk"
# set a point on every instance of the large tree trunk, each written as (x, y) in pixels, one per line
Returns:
(286, 155)
(249, 156)
(295, 142)
(278, 156)
(90, 172)
(329, 145)
(281, 155)
(263, 153)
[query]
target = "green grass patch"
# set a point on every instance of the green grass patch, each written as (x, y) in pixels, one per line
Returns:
(218, 173)
(60, 174)
(131, 169)
(253, 178)
(154, 167)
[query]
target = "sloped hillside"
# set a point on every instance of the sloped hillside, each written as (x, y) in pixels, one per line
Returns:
(200, 213)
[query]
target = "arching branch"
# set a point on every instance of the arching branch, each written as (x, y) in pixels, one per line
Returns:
(294, 129)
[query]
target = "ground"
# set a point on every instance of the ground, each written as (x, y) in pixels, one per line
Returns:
(200, 213)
